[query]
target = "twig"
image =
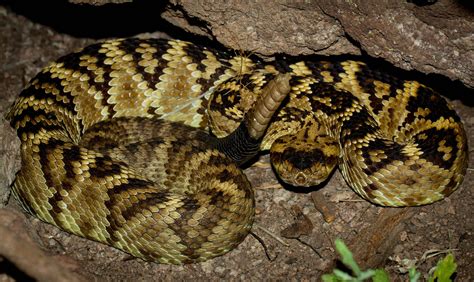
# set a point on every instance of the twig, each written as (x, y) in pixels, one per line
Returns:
(269, 186)
(265, 249)
(352, 200)
(276, 237)
(432, 253)
(309, 245)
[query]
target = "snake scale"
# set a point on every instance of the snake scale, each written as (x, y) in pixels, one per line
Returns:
(115, 144)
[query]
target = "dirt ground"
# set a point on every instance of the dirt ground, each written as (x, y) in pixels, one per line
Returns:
(387, 237)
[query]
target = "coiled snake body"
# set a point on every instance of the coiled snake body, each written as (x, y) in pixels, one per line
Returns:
(103, 158)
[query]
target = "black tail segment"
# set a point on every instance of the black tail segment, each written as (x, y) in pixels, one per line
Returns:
(244, 143)
(239, 146)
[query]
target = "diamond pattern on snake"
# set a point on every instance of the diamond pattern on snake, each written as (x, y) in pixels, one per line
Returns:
(136, 143)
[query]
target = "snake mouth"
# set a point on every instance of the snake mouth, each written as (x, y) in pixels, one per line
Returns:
(299, 178)
(302, 180)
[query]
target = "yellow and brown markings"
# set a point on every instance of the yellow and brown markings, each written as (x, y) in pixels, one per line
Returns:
(233, 98)
(368, 110)
(43, 107)
(300, 69)
(201, 216)
(175, 198)
(306, 158)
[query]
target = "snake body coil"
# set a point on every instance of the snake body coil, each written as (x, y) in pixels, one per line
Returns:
(109, 151)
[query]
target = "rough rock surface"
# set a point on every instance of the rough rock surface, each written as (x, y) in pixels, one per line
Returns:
(437, 38)
(434, 38)
(265, 27)
(9, 158)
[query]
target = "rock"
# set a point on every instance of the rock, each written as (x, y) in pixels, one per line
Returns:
(9, 159)
(436, 38)
(264, 27)
(431, 37)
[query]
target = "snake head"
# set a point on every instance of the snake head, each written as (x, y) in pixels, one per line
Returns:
(304, 163)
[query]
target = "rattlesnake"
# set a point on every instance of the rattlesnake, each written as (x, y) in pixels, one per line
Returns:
(94, 154)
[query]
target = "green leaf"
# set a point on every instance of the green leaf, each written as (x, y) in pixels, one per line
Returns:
(330, 278)
(346, 256)
(380, 275)
(366, 274)
(413, 275)
(342, 276)
(444, 269)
